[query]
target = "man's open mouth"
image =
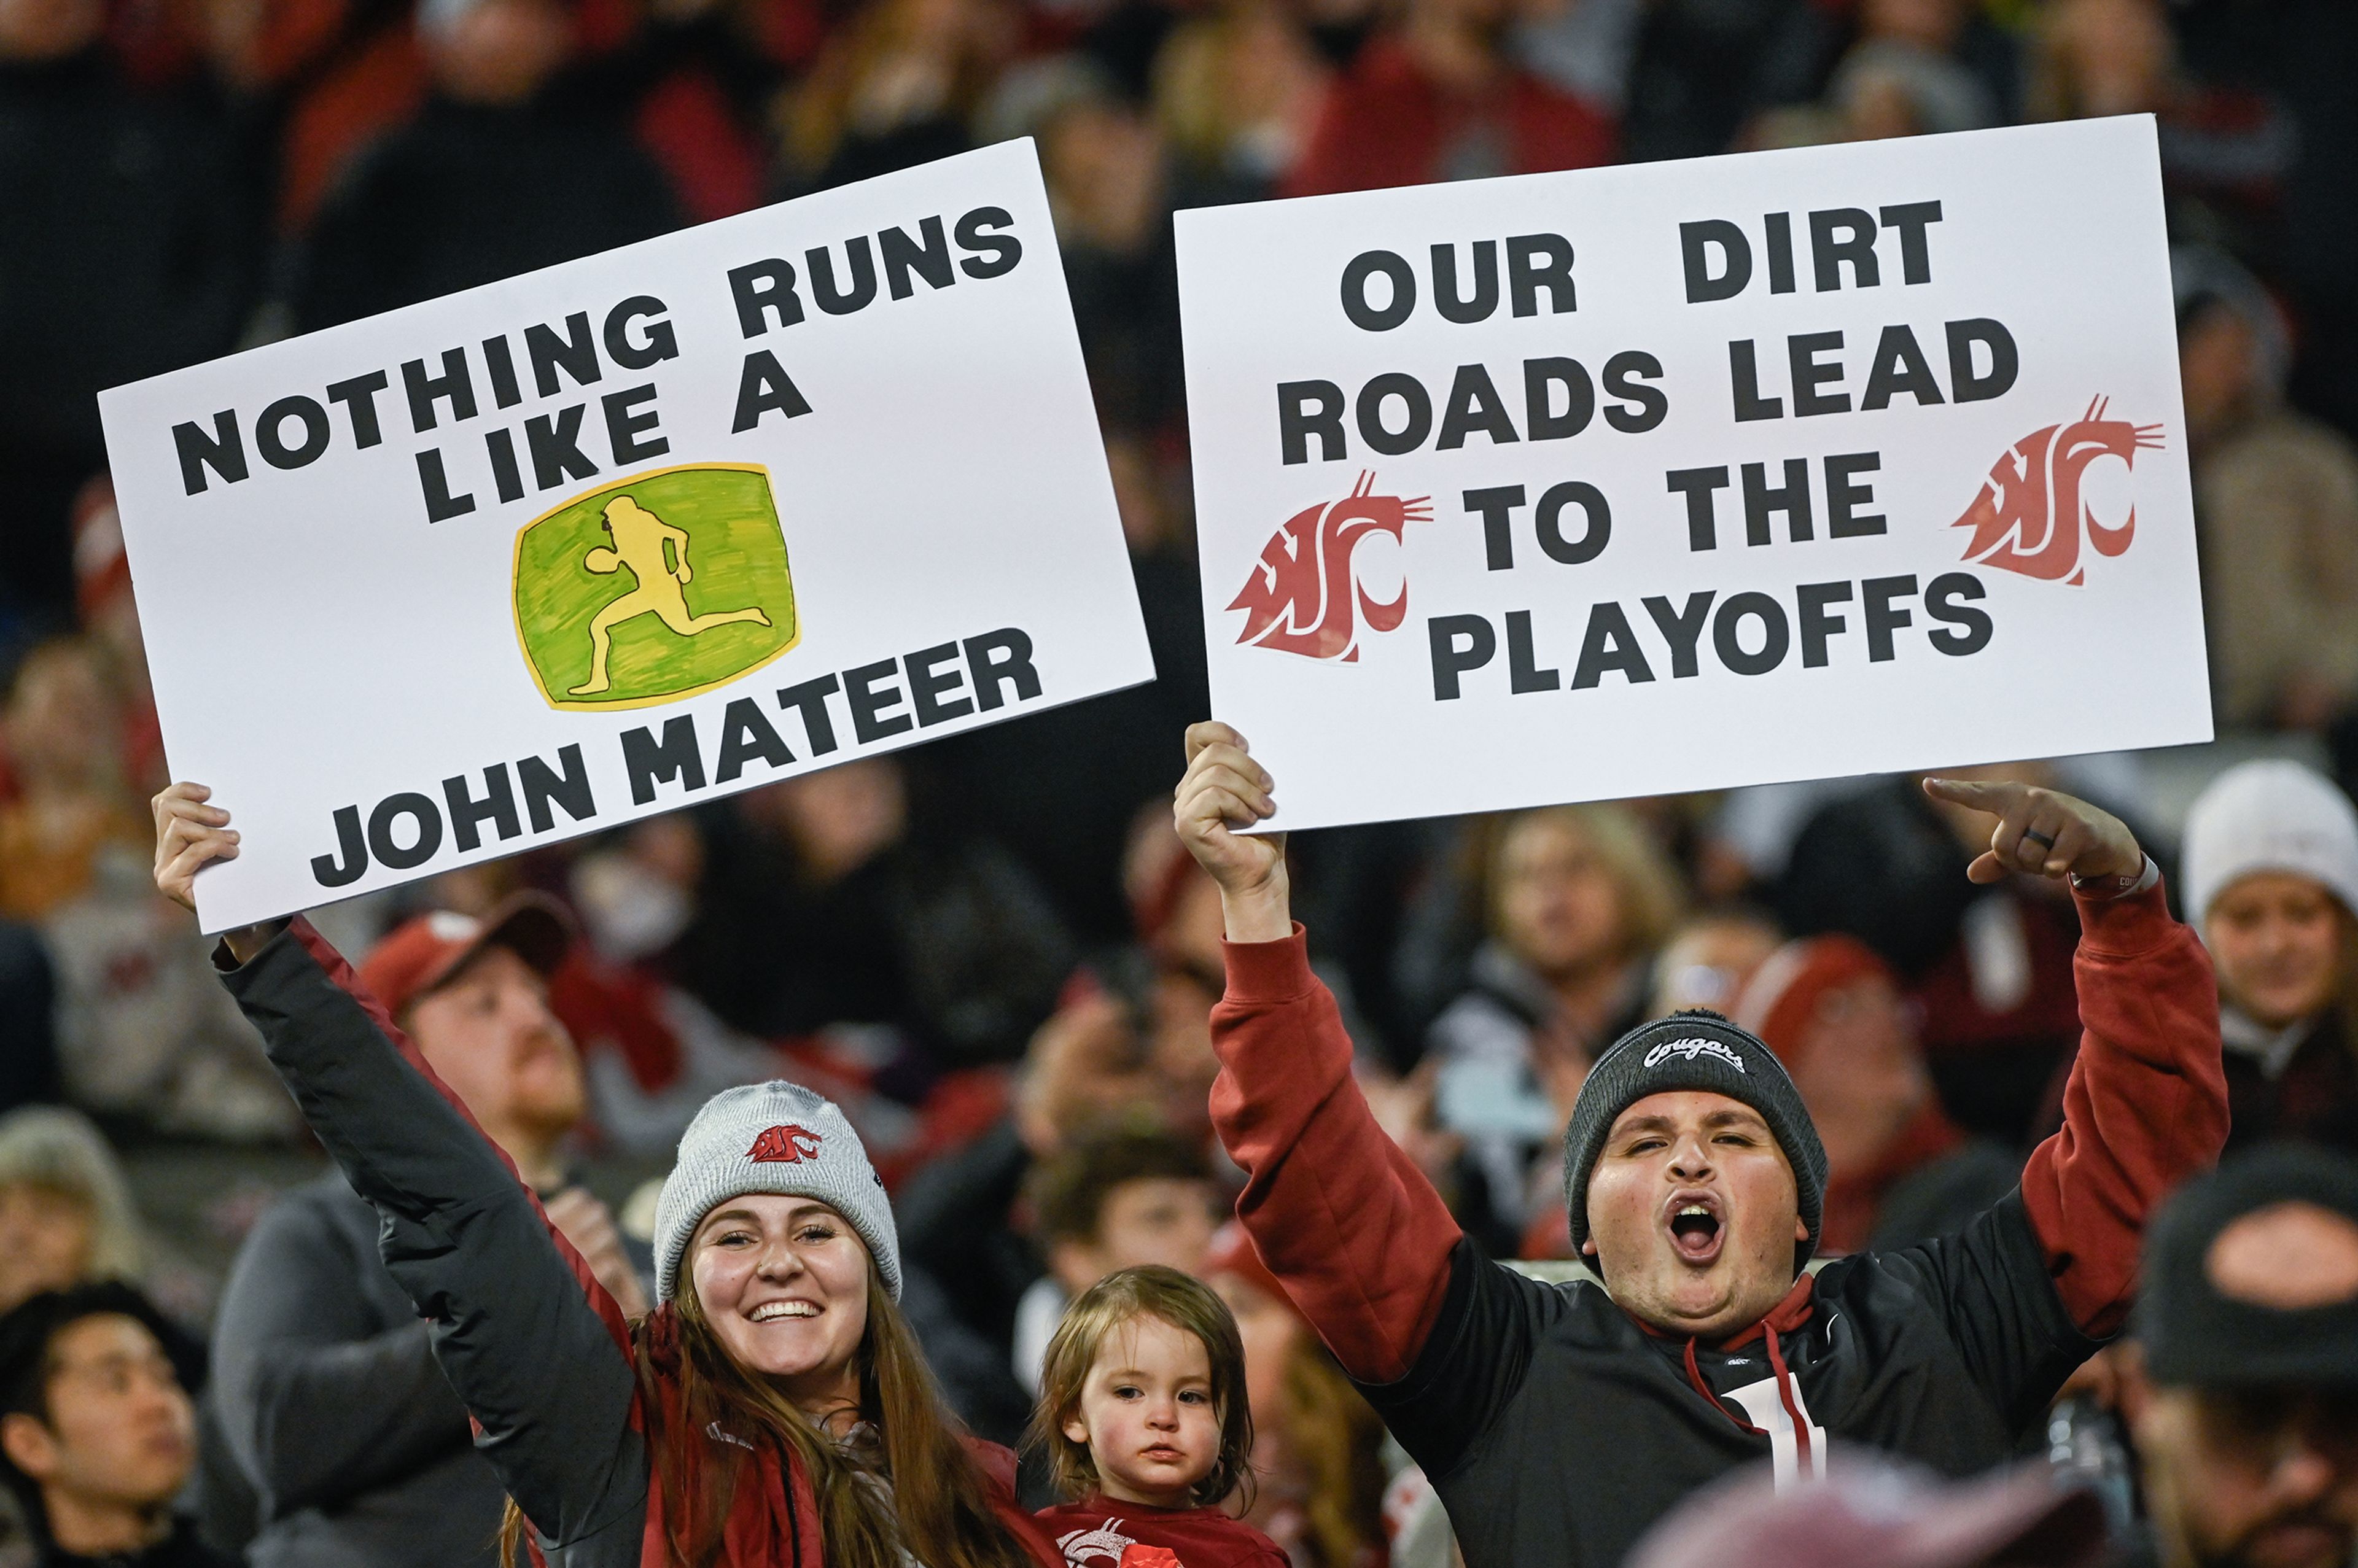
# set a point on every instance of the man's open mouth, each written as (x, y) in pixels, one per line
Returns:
(1695, 1227)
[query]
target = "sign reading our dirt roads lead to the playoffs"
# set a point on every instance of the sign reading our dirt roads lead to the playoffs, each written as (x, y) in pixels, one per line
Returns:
(647, 528)
(1689, 475)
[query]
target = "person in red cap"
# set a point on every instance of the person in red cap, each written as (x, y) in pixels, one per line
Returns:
(1559, 1420)
(327, 1387)
(1898, 1169)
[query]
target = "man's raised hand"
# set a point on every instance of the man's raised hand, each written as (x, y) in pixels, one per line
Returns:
(2042, 832)
(189, 836)
(1225, 791)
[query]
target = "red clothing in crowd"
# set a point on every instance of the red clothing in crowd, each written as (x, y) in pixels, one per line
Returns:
(1098, 1533)
(1388, 123)
(1504, 1388)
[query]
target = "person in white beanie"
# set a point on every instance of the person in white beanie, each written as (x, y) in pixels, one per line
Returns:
(772, 1411)
(2271, 884)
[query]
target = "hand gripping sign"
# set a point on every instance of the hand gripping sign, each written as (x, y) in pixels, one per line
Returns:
(1681, 476)
(816, 482)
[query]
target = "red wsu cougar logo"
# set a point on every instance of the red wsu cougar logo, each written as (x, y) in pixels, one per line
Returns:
(787, 1145)
(1301, 595)
(2029, 516)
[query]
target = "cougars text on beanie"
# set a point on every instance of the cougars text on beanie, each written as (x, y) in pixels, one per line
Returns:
(1694, 1050)
(777, 1138)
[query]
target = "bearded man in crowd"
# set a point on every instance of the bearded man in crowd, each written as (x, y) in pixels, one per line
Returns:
(2241, 1384)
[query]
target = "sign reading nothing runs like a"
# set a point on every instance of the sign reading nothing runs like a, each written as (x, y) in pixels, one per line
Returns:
(816, 482)
(1688, 475)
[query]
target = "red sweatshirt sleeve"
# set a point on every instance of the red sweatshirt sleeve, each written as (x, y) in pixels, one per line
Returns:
(2145, 1108)
(1347, 1222)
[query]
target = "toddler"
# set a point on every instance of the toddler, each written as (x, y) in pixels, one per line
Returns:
(1143, 1422)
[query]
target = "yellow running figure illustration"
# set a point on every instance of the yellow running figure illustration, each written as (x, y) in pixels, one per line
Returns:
(640, 540)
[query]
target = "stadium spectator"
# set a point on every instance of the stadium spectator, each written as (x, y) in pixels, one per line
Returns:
(66, 1216)
(1578, 899)
(326, 1383)
(2275, 498)
(1438, 97)
(2226, 150)
(1237, 92)
(510, 166)
(2239, 1383)
(1146, 1428)
(63, 728)
(895, 86)
(621, 1438)
(137, 1035)
(1708, 958)
(1113, 1198)
(2272, 883)
(1923, 66)
(1898, 1170)
(1694, 1181)
(97, 1434)
(1317, 1446)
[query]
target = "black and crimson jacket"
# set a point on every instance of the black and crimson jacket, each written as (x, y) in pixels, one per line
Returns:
(532, 1343)
(1556, 1428)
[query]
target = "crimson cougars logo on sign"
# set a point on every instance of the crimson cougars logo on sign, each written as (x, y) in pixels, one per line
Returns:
(2029, 514)
(786, 1145)
(1305, 597)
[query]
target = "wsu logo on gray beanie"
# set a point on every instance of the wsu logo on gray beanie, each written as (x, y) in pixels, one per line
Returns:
(1697, 1049)
(777, 1138)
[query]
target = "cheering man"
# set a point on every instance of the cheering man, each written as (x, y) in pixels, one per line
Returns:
(1559, 1421)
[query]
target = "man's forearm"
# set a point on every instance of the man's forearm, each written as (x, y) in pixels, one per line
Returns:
(321, 1424)
(1339, 1214)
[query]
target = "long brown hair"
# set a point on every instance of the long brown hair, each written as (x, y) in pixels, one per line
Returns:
(1150, 1289)
(1338, 1438)
(935, 1506)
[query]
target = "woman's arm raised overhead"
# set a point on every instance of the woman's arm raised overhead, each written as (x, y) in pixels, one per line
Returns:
(534, 1346)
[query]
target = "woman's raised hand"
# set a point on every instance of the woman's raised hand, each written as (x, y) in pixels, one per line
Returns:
(189, 835)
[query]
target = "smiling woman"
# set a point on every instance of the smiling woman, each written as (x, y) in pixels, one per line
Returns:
(774, 1410)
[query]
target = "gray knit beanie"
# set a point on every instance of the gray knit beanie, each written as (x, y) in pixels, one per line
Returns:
(1695, 1049)
(775, 1138)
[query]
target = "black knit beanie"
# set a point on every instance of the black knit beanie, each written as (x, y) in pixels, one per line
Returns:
(1697, 1049)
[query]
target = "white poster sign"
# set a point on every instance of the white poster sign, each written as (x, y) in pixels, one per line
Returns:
(1689, 475)
(816, 481)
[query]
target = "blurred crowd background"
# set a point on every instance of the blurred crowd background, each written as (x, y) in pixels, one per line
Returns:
(992, 949)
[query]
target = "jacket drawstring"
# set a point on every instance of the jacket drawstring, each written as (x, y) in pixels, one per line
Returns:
(1794, 1310)
(1808, 1464)
(1694, 1376)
